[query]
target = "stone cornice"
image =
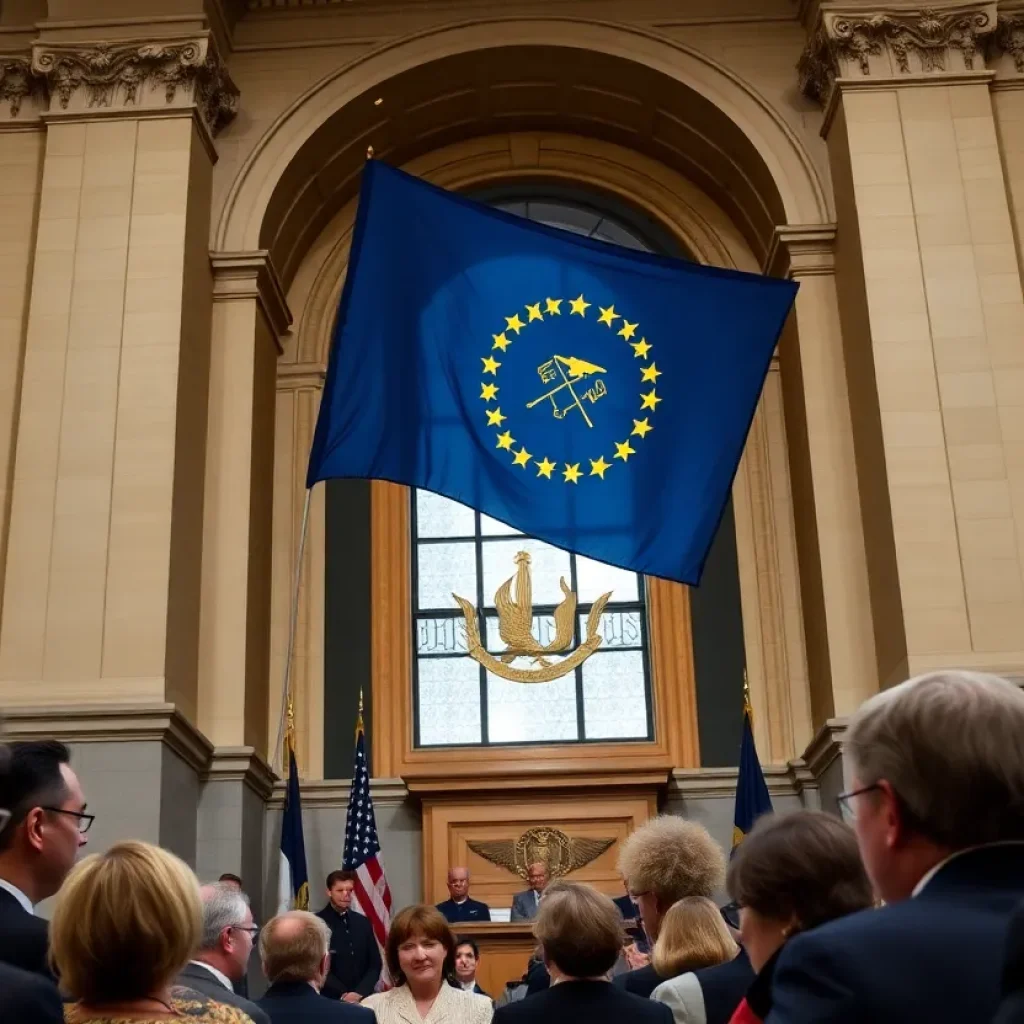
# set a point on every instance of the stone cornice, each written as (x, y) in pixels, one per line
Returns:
(801, 250)
(252, 275)
(241, 764)
(133, 75)
(295, 376)
(95, 723)
(710, 783)
(848, 41)
(335, 793)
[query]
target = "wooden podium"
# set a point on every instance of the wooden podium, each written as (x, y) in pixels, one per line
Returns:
(505, 949)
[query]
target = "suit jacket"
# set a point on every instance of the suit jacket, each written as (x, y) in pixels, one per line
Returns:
(295, 1002)
(467, 910)
(452, 1006)
(355, 957)
(596, 1002)
(28, 997)
(709, 995)
(199, 979)
(24, 938)
(1011, 1009)
(936, 957)
(641, 982)
(524, 906)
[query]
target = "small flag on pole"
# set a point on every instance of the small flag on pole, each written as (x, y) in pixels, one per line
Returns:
(372, 896)
(752, 799)
(293, 881)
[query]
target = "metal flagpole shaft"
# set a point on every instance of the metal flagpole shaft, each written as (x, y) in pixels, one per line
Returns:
(292, 626)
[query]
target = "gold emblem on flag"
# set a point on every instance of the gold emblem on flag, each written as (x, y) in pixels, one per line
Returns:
(515, 627)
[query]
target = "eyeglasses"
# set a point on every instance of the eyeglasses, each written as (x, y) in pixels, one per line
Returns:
(84, 820)
(252, 929)
(844, 799)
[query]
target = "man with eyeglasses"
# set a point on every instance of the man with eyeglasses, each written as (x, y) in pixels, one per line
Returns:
(225, 948)
(38, 845)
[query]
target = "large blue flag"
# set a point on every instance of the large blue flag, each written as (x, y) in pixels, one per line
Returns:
(752, 799)
(592, 396)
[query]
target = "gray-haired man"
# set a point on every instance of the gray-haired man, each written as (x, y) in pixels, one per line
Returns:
(223, 956)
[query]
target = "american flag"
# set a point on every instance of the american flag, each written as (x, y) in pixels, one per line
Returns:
(372, 897)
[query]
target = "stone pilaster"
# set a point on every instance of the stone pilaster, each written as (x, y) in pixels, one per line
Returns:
(933, 317)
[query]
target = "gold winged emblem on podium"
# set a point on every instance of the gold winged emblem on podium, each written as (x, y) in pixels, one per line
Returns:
(515, 627)
(563, 854)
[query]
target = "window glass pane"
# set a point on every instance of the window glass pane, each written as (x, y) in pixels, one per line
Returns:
(614, 701)
(527, 712)
(441, 636)
(442, 569)
(441, 517)
(617, 629)
(547, 565)
(608, 231)
(449, 704)
(490, 527)
(595, 578)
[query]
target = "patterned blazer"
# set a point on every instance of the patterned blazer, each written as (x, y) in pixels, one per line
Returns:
(452, 1006)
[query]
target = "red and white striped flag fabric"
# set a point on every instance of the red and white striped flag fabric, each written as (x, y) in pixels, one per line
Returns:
(372, 897)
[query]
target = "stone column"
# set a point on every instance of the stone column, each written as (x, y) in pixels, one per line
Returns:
(249, 317)
(102, 582)
(22, 141)
(831, 547)
(933, 320)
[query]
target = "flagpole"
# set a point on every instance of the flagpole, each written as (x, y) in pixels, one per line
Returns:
(747, 709)
(287, 708)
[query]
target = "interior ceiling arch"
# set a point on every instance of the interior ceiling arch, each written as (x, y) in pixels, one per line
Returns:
(516, 89)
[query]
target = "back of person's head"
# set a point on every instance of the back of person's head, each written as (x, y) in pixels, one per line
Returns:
(418, 921)
(229, 878)
(31, 780)
(693, 935)
(579, 929)
(672, 858)
(294, 947)
(125, 922)
(801, 869)
(224, 906)
(949, 745)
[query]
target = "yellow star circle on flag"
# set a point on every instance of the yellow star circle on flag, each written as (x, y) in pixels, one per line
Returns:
(534, 312)
(506, 440)
(598, 466)
(572, 473)
(490, 365)
(544, 467)
(579, 306)
(607, 315)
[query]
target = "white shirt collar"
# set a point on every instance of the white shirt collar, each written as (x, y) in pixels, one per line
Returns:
(25, 902)
(929, 875)
(459, 903)
(468, 986)
(219, 975)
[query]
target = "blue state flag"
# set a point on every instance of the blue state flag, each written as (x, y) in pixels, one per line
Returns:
(293, 881)
(588, 395)
(752, 799)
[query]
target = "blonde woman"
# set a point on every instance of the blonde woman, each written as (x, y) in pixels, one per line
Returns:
(125, 923)
(693, 935)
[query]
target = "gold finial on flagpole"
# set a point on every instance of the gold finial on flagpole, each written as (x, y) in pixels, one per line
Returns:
(359, 717)
(369, 152)
(289, 726)
(746, 697)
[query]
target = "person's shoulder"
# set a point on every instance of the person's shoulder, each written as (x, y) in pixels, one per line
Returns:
(682, 990)
(378, 999)
(479, 903)
(194, 1006)
(28, 997)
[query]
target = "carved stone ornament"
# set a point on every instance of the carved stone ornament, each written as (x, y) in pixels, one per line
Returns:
(16, 82)
(894, 41)
(129, 74)
(1010, 38)
(563, 854)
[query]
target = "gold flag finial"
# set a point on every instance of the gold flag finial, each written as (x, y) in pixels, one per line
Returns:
(359, 717)
(289, 726)
(369, 152)
(746, 697)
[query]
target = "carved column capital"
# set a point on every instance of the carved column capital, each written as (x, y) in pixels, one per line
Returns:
(848, 42)
(17, 84)
(1008, 41)
(136, 76)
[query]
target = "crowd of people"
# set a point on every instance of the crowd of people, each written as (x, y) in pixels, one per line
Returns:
(913, 912)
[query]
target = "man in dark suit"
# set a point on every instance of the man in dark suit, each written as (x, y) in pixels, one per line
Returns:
(241, 986)
(459, 907)
(1011, 1009)
(936, 767)
(38, 844)
(467, 960)
(355, 957)
(580, 932)
(224, 949)
(526, 903)
(295, 950)
(28, 998)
